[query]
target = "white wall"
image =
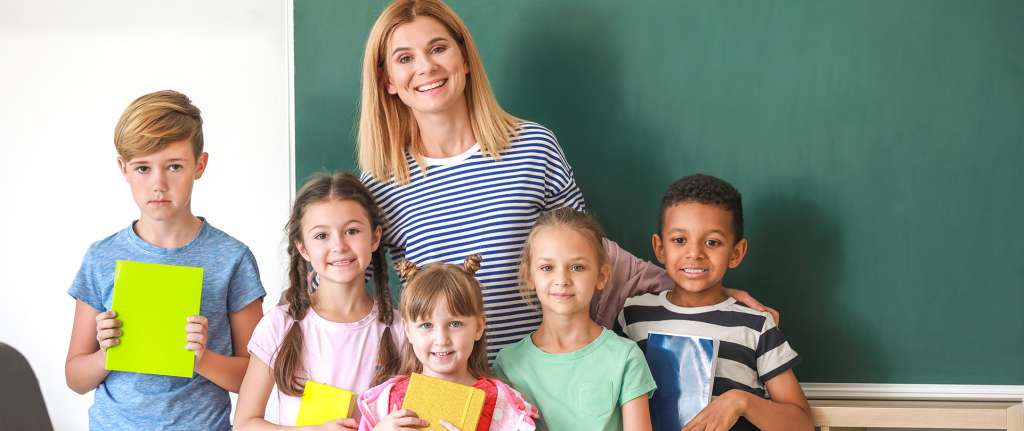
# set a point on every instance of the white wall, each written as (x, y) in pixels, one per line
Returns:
(68, 70)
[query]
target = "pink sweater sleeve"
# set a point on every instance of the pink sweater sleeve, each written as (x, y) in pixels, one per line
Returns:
(631, 276)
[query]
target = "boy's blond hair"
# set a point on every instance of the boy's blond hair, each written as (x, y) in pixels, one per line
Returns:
(155, 120)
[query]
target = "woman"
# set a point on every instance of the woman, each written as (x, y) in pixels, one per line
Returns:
(455, 174)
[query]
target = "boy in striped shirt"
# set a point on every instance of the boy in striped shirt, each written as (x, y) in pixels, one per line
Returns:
(700, 237)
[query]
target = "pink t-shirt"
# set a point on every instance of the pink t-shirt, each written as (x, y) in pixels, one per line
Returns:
(343, 355)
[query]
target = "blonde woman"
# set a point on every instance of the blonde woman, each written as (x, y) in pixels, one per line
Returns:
(455, 174)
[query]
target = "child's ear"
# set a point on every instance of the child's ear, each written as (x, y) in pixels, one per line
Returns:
(201, 164)
(406, 327)
(603, 275)
(302, 250)
(658, 251)
(122, 165)
(378, 232)
(479, 327)
(738, 252)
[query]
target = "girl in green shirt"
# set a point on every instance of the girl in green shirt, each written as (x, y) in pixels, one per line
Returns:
(580, 375)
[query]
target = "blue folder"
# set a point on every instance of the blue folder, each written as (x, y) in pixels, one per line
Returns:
(684, 369)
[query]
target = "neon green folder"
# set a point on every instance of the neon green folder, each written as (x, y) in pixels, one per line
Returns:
(153, 302)
(322, 403)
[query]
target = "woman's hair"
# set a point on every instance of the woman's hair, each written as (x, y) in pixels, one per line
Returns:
(323, 188)
(386, 126)
(564, 217)
(438, 283)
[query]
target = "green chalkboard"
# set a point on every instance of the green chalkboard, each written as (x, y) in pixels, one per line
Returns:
(878, 146)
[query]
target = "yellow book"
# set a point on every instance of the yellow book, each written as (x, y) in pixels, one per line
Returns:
(435, 399)
(321, 403)
(153, 301)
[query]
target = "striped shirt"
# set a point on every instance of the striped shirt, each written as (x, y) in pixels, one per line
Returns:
(752, 350)
(472, 203)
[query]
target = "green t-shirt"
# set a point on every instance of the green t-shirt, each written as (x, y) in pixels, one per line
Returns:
(580, 390)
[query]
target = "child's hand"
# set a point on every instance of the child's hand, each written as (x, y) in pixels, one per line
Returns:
(339, 425)
(108, 329)
(448, 425)
(720, 415)
(196, 335)
(401, 420)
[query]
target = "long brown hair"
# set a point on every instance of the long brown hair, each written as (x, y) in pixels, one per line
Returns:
(320, 188)
(452, 284)
(386, 126)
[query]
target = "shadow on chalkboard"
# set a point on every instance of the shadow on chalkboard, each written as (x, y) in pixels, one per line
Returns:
(793, 264)
(583, 104)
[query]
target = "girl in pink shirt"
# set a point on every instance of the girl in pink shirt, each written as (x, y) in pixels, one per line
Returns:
(334, 333)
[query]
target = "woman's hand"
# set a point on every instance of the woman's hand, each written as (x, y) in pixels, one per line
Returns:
(749, 301)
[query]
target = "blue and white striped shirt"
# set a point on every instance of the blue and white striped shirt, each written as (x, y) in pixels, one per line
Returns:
(472, 203)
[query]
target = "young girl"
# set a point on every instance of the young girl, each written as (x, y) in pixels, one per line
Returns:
(336, 334)
(581, 375)
(443, 316)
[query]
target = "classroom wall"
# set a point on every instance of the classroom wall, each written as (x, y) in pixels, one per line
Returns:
(69, 69)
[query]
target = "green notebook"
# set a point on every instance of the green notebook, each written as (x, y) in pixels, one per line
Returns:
(153, 302)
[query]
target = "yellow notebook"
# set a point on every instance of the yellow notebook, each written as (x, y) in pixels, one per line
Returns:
(153, 301)
(435, 399)
(321, 403)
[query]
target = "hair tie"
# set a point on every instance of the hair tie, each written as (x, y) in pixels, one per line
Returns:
(472, 263)
(406, 269)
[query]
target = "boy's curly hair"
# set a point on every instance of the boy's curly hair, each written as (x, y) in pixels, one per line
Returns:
(704, 189)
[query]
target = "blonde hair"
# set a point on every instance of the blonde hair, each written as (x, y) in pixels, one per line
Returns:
(155, 120)
(569, 218)
(424, 290)
(386, 126)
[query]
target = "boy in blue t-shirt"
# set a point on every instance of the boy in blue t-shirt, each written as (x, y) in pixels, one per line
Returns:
(700, 237)
(159, 140)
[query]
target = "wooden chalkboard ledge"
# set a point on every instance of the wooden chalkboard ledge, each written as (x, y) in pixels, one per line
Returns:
(849, 415)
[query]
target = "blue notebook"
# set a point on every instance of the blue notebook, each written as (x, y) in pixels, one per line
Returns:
(684, 369)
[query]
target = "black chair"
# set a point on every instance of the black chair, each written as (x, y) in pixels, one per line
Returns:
(21, 402)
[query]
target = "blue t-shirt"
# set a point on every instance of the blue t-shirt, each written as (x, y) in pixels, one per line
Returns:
(231, 281)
